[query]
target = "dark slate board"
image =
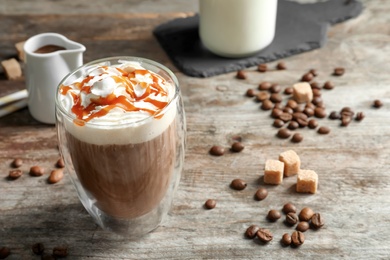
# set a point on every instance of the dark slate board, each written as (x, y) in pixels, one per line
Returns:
(299, 28)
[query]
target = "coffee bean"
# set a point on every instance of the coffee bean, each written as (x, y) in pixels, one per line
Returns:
(334, 115)
(307, 77)
(316, 92)
(339, 71)
(377, 103)
(273, 215)
(284, 133)
(17, 162)
(312, 124)
(48, 257)
(297, 138)
(37, 171)
(237, 147)
(292, 104)
(60, 251)
(275, 88)
(261, 193)
(251, 231)
(291, 219)
(323, 130)
(250, 93)
(14, 174)
(317, 100)
(4, 252)
(286, 239)
(289, 207)
(308, 111)
(278, 123)
(281, 66)
(285, 117)
(315, 85)
(299, 115)
(60, 163)
(264, 235)
(345, 120)
(328, 85)
(38, 248)
(278, 106)
(276, 112)
(288, 90)
(359, 116)
(317, 221)
(288, 110)
(241, 74)
(261, 96)
(56, 176)
(306, 214)
(310, 106)
(238, 184)
(293, 125)
(262, 67)
(297, 238)
(210, 204)
(217, 150)
(303, 226)
(276, 98)
(319, 112)
(314, 72)
(299, 108)
(267, 105)
(265, 85)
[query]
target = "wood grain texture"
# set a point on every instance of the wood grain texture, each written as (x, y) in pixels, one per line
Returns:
(352, 162)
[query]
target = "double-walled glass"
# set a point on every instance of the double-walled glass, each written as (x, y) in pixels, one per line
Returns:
(125, 183)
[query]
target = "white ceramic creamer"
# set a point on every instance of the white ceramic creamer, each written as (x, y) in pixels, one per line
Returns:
(237, 28)
(44, 71)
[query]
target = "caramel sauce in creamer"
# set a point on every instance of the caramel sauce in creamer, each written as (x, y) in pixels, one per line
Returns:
(128, 80)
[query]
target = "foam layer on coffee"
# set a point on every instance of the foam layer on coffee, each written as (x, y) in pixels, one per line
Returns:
(118, 104)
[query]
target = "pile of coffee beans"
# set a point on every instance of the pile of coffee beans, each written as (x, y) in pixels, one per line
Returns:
(55, 176)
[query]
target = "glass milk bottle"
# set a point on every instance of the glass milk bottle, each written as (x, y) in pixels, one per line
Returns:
(237, 28)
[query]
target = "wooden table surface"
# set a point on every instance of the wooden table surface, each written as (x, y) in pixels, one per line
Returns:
(352, 162)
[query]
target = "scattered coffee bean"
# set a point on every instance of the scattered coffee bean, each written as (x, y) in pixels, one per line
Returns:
(306, 214)
(307, 77)
(264, 235)
(281, 66)
(317, 100)
(60, 251)
(359, 116)
(285, 117)
(308, 111)
(261, 193)
(4, 252)
(377, 103)
(288, 90)
(276, 98)
(37, 171)
(210, 204)
(38, 248)
(261, 96)
(251, 231)
(273, 215)
(334, 115)
(56, 176)
(315, 85)
(310, 105)
(262, 67)
(265, 85)
(292, 104)
(339, 71)
(303, 226)
(278, 123)
(291, 219)
(289, 207)
(276, 112)
(317, 221)
(314, 72)
(319, 112)
(16, 163)
(267, 105)
(250, 93)
(323, 130)
(345, 120)
(316, 92)
(217, 150)
(328, 85)
(288, 110)
(312, 124)
(293, 125)
(238, 184)
(278, 106)
(299, 115)
(14, 174)
(237, 147)
(284, 133)
(297, 238)
(286, 239)
(241, 74)
(275, 88)
(299, 108)
(297, 138)
(60, 163)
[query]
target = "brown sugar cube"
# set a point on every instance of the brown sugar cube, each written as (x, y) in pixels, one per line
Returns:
(12, 69)
(292, 162)
(273, 172)
(20, 49)
(307, 181)
(302, 92)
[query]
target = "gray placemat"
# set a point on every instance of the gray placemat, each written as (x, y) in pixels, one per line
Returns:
(299, 28)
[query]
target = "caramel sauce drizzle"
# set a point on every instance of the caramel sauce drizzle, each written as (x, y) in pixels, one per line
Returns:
(129, 81)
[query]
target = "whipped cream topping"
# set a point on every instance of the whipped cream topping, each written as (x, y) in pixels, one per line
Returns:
(109, 103)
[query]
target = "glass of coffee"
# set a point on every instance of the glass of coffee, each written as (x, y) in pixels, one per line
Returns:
(121, 130)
